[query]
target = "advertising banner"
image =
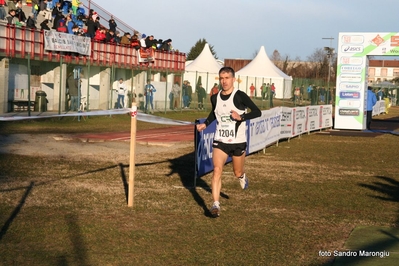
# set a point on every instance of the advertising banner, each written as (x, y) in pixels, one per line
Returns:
(273, 125)
(352, 71)
(286, 123)
(65, 42)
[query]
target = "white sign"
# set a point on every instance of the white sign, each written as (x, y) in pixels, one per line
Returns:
(65, 42)
(354, 48)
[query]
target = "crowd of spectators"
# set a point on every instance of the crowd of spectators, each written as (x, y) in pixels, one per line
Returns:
(69, 17)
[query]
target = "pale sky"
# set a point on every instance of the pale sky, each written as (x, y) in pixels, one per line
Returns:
(238, 28)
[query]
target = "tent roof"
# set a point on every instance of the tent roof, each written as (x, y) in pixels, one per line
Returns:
(205, 62)
(261, 66)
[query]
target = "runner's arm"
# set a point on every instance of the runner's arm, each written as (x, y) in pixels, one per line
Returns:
(247, 102)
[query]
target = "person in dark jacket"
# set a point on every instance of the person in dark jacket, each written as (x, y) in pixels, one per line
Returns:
(91, 27)
(30, 22)
(44, 25)
(112, 24)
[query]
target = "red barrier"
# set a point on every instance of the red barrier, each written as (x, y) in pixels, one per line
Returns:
(25, 42)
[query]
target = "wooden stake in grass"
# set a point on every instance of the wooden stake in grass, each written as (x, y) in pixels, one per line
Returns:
(133, 129)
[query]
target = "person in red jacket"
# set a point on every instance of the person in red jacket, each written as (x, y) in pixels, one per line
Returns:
(100, 35)
(62, 27)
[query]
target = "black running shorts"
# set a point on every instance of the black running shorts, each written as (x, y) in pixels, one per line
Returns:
(235, 149)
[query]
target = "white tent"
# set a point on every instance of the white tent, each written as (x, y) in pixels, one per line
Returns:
(261, 70)
(204, 66)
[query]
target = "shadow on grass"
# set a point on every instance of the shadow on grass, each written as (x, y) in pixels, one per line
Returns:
(184, 167)
(77, 240)
(389, 188)
(17, 209)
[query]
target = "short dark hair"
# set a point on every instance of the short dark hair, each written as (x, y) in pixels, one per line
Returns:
(227, 70)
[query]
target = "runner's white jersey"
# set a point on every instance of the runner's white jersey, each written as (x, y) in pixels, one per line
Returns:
(228, 130)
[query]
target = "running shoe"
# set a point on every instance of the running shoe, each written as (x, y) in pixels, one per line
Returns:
(244, 182)
(215, 211)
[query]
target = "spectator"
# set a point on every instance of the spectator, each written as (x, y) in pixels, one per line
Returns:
(110, 36)
(149, 90)
(149, 42)
(142, 40)
(12, 5)
(263, 91)
(309, 90)
(69, 23)
(76, 30)
(176, 95)
(73, 90)
(35, 8)
(112, 24)
(121, 93)
(117, 37)
(201, 93)
(3, 13)
(135, 43)
(184, 93)
(43, 10)
(91, 27)
(126, 38)
(12, 19)
(97, 23)
(252, 90)
(56, 21)
(61, 27)
(44, 25)
(189, 93)
(94, 15)
(31, 23)
(371, 101)
(166, 45)
(322, 93)
(20, 14)
(57, 10)
(214, 90)
(100, 35)
(75, 6)
(272, 95)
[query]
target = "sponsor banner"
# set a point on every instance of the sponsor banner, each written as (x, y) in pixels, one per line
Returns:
(313, 121)
(326, 116)
(286, 122)
(273, 125)
(353, 51)
(264, 130)
(299, 121)
(204, 149)
(58, 41)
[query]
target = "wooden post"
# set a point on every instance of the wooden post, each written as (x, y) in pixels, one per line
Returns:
(132, 153)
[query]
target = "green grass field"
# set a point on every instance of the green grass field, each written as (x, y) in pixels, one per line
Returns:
(305, 196)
